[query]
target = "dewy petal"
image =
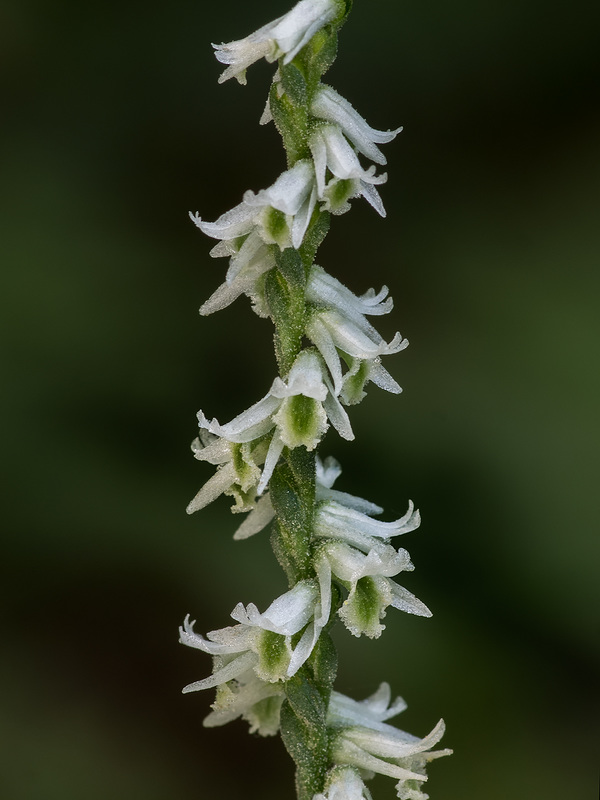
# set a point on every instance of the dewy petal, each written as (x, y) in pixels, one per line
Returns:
(333, 513)
(223, 478)
(337, 415)
(299, 25)
(234, 223)
(393, 743)
(303, 217)
(323, 289)
(249, 425)
(328, 471)
(273, 453)
(340, 157)
(371, 195)
(320, 336)
(332, 107)
(289, 191)
(371, 713)
(257, 519)
(286, 615)
(403, 600)
(354, 340)
(345, 751)
(227, 673)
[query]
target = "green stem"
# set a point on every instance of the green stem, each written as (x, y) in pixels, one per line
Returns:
(292, 485)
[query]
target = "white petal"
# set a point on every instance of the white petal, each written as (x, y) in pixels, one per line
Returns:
(331, 106)
(273, 453)
(303, 217)
(237, 222)
(223, 478)
(328, 471)
(226, 673)
(347, 752)
(320, 336)
(256, 520)
(405, 601)
(382, 378)
(249, 425)
(289, 191)
(338, 416)
(371, 195)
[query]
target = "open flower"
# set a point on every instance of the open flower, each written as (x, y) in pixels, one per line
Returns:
(249, 697)
(280, 214)
(332, 151)
(364, 741)
(250, 260)
(338, 323)
(238, 470)
(285, 36)
(356, 550)
(263, 642)
(296, 412)
(367, 578)
(328, 105)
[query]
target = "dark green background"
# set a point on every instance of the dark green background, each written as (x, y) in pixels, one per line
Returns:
(113, 128)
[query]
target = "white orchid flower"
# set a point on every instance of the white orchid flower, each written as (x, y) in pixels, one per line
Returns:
(328, 105)
(263, 642)
(280, 214)
(249, 697)
(366, 742)
(250, 261)
(285, 36)
(338, 323)
(332, 151)
(367, 578)
(238, 473)
(296, 412)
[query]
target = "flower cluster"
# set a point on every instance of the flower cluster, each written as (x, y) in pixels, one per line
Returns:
(339, 558)
(362, 740)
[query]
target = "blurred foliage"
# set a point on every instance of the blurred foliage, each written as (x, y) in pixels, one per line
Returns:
(113, 128)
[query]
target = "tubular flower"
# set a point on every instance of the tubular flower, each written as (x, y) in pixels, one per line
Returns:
(285, 36)
(366, 742)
